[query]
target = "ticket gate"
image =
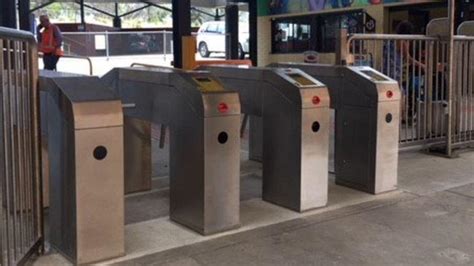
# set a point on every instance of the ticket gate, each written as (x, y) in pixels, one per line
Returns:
(203, 120)
(85, 131)
(294, 112)
(367, 106)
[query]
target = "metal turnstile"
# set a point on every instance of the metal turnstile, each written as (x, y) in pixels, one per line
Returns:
(137, 147)
(85, 131)
(293, 109)
(367, 106)
(204, 122)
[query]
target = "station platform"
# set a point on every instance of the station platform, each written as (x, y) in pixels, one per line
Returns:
(428, 220)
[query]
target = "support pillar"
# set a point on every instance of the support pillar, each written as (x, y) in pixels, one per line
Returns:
(117, 22)
(26, 22)
(8, 14)
(181, 28)
(232, 31)
(83, 19)
(253, 31)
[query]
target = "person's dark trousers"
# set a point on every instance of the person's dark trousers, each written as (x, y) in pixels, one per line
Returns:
(50, 61)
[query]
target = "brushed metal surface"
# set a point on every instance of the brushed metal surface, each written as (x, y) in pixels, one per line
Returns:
(315, 154)
(99, 195)
(86, 190)
(137, 146)
(386, 169)
(222, 180)
(204, 174)
(282, 112)
(466, 28)
(366, 146)
(255, 138)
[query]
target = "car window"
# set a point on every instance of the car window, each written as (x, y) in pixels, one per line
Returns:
(212, 28)
(221, 28)
(204, 28)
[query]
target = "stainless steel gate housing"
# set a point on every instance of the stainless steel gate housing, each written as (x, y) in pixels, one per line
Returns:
(294, 112)
(204, 122)
(367, 105)
(85, 130)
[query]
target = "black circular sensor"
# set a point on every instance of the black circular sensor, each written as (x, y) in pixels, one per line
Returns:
(315, 126)
(222, 137)
(100, 152)
(389, 117)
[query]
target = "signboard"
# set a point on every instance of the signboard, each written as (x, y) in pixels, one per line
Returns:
(276, 7)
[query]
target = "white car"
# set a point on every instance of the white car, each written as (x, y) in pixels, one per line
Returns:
(211, 38)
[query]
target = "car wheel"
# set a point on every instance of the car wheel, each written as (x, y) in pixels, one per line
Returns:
(203, 50)
(241, 52)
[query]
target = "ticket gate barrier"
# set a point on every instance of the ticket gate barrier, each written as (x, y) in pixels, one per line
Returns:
(137, 153)
(203, 121)
(293, 109)
(367, 107)
(85, 131)
(137, 147)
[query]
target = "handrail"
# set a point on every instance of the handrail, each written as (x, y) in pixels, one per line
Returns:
(463, 38)
(17, 34)
(389, 37)
(151, 66)
(237, 62)
(91, 69)
(115, 32)
(371, 36)
(145, 65)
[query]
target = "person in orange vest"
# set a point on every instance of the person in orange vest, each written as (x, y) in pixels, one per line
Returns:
(50, 41)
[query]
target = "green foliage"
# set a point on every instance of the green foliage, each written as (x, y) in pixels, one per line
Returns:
(148, 17)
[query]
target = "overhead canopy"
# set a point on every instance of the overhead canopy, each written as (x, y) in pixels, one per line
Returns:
(196, 3)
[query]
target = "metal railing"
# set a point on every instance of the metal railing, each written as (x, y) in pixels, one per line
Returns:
(419, 64)
(463, 91)
(21, 218)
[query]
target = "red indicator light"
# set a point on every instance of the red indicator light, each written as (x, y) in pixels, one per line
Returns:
(223, 108)
(389, 94)
(316, 100)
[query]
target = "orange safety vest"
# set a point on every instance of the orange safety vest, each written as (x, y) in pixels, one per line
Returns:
(48, 42)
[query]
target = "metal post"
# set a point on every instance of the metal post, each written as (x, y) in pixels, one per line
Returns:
(341, 46)
(117, 20)
(451, 17)
(107, 52)
(83, 19)
(164, 45)
(181, 28)
(232, 31)
(253, 37)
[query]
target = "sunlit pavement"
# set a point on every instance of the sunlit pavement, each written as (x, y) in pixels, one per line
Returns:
(102, 65)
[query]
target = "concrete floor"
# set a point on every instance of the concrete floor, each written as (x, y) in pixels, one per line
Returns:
(429, 220)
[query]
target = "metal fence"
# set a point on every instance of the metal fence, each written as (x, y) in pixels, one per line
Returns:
(111, 43)
(463, 91)
(419, 64)
(20, 162)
